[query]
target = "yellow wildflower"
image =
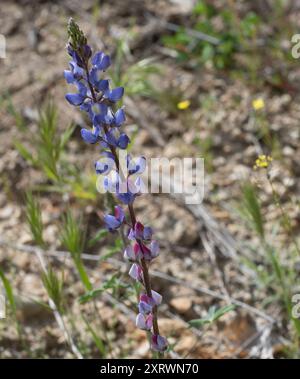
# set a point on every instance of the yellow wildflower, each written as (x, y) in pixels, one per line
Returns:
(182, 105)
(262, 161)
(258, 104)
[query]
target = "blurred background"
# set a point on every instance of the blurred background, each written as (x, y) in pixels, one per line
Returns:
(212, 79)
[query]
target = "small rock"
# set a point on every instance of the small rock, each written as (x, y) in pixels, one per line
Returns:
(181, 304)
(50, 234)
(6, 212)
(142, 349)
(185, 344)
(169, 326)
(184, 7)
(32, 284)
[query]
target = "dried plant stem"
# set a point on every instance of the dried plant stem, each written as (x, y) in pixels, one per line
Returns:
(95, 258)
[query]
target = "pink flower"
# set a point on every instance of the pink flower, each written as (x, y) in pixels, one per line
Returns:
(132, 254)
(136, 272)
(158, 343)
(144, 322)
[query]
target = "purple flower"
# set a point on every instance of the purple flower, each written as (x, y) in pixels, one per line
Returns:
(140, 232)
(148, 253)
(95, 97)
(108, 117)
(157, 298)
(77, 98)
(114, 95)
(158, 343)
(74, 54)
(137, 232)
(116, 139)
(147, 303)
(143, 250)
(147, 234)
(119, 117)
(101, 85)
(114, 222)
(111, 182)
(144, 322)
(126, 191)
(154, 249)
(69, 76)
(132, 254)
(105, 164)
(86, 106)
(90, 136)
(126, 198)
(123, 141)
(101, 114)
(136, 166)
(87, 51)
(101, 61)
(76, 73)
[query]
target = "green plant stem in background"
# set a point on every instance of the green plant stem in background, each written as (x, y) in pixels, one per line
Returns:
(34, 219)
(96, 338)
(46, 154)
(73, 238)
(98, 341)
(11, 299)
(286, 221)
(54, 288)
(252, 210)
(53, 285)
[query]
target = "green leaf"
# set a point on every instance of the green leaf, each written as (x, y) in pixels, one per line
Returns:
(19, 119)
(207, 52)
(296, 323)
(83, 274)
(251, 208)
(34, 218)
(73, 238)
(72, 235)
(98, 341)
(212, 315)
(24, 152)
(91, 295)
(54, 288)
(9, 293)
(112, 250)
(102, 233)
(48, 142)
(110, 283)
(66, 136)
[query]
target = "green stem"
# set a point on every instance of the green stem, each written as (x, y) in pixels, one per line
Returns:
(286, 221)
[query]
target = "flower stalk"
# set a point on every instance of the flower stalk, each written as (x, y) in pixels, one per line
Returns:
(95, 97)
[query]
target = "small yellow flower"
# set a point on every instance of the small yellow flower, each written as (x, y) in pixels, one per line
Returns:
(258, 104)
(262, 161)
(182, 105)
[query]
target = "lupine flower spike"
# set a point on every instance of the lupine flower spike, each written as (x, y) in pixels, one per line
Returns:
(94, 96)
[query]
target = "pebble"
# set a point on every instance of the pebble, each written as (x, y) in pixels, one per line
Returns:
(181, 304)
